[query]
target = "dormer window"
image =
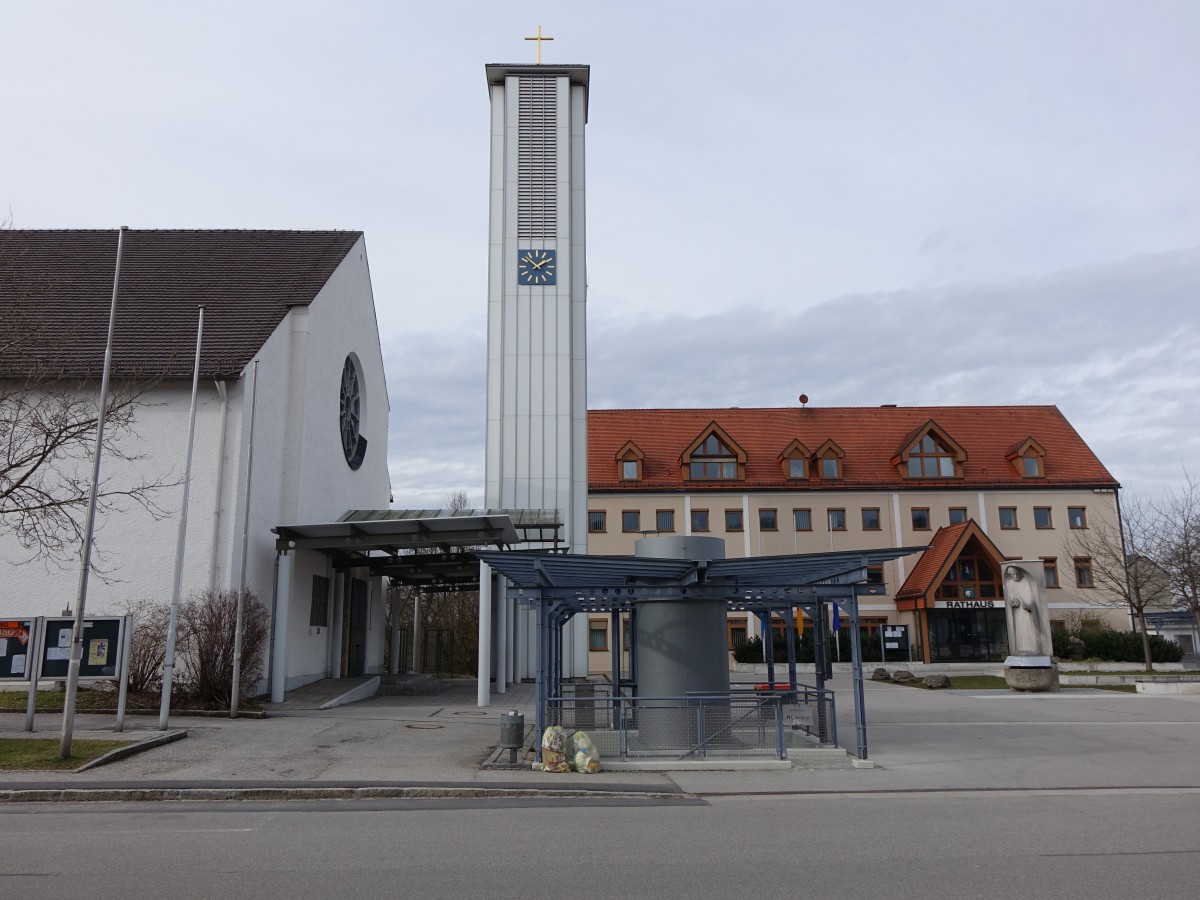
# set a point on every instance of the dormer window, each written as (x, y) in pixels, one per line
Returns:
(795, 459)
(629, 462)
(829, 458)
(1029, 458)
(713, 460)
(930, 453)
(929, 459)
(714, 457)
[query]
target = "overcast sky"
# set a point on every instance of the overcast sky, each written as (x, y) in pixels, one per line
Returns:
(918, 203)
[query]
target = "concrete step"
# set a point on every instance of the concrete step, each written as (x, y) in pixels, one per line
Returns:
(407, 685)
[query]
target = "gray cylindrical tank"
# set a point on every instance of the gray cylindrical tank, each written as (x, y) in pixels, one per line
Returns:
(681, 644)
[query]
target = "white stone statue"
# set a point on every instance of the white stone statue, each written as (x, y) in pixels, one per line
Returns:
(1028, 615)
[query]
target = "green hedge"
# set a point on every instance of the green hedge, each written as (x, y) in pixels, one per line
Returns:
(751, 651)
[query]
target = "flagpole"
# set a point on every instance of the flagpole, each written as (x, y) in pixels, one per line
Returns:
(68, 726)
(164, 710)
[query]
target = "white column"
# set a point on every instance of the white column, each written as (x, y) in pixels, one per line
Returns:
(484, 692)
(394, 656)
(283, 604)
(501, 638)
(511, 636)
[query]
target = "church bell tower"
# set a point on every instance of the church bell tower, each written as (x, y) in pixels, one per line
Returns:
(537, 297)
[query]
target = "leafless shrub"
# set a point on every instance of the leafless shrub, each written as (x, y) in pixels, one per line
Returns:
(148, 646)
(206, 633)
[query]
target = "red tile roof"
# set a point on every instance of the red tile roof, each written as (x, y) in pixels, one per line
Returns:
(56, 289)
(943, 548)
(868, 435)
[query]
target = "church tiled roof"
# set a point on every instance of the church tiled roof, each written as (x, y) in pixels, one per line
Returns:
(868, 436)
(56, 290)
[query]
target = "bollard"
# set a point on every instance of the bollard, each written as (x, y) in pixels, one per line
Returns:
(512, 734)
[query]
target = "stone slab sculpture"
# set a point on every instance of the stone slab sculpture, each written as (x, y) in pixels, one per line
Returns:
(1029, 666)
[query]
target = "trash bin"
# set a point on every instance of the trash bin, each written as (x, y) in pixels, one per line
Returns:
(512, 733)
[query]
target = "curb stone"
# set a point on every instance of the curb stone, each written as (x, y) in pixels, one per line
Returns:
(127, 795)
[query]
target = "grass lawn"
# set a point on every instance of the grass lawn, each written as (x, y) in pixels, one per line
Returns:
(84, 700)
(42, 753)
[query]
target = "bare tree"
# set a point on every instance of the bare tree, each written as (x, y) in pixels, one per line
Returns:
(48, 423)
(1123, 564)
(1179, 552)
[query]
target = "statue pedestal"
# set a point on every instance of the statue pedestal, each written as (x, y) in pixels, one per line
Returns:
(1031, 673)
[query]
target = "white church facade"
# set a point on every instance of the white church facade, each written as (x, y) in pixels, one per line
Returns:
(290, 358)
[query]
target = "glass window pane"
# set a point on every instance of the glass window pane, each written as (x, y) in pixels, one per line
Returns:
(729, 470)
(766, 520)
(596, 521)
(697, 470)
(629, 470)
(797, 468)
(699, 520)
(631, 520)
(666, 520)
(957, 515)
(829, 467)
(1031, 467)
(803, 519)
(914, 467)
(945, 466)
(733, 520)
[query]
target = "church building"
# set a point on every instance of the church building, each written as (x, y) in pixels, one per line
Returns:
(291, 424)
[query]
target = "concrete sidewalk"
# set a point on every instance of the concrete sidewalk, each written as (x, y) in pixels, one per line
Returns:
(919, 740)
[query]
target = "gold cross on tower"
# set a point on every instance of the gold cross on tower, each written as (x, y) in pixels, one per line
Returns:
(539, 40)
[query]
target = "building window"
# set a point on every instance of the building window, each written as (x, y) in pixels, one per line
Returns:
(713, 461)
(733, 520)
(920, 519)
(664, 520)
(629, 470)
(597, 634)
(958, 515)
(738, 633)
(803, 519)
(1083, 572)
(870, 518)
(1031, 465)
(831, 467)
(797, 468)
(875, 574)
(318, 613)
(699, 520)
(928, 458)
(837, 520)
(1008, 517)
(1042, 518)
(1077, 516)
(1050, 566)
(597, 521)
(768, 520)
(631, 520)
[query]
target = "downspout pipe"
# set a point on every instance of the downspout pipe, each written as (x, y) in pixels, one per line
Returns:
(219, 384)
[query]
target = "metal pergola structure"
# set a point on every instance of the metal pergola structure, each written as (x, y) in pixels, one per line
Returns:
(421, 547)
(558, 586)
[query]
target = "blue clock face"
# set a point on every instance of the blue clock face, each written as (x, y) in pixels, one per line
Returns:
(535, 267)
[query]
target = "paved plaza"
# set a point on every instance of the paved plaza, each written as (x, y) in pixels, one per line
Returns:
(918, 740)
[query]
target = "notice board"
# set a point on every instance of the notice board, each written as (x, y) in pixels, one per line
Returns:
(16, 648)
(101, 647)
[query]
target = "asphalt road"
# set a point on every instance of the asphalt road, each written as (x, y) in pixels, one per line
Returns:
(974, 844)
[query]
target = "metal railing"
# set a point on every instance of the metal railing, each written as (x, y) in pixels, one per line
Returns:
(737, 724)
